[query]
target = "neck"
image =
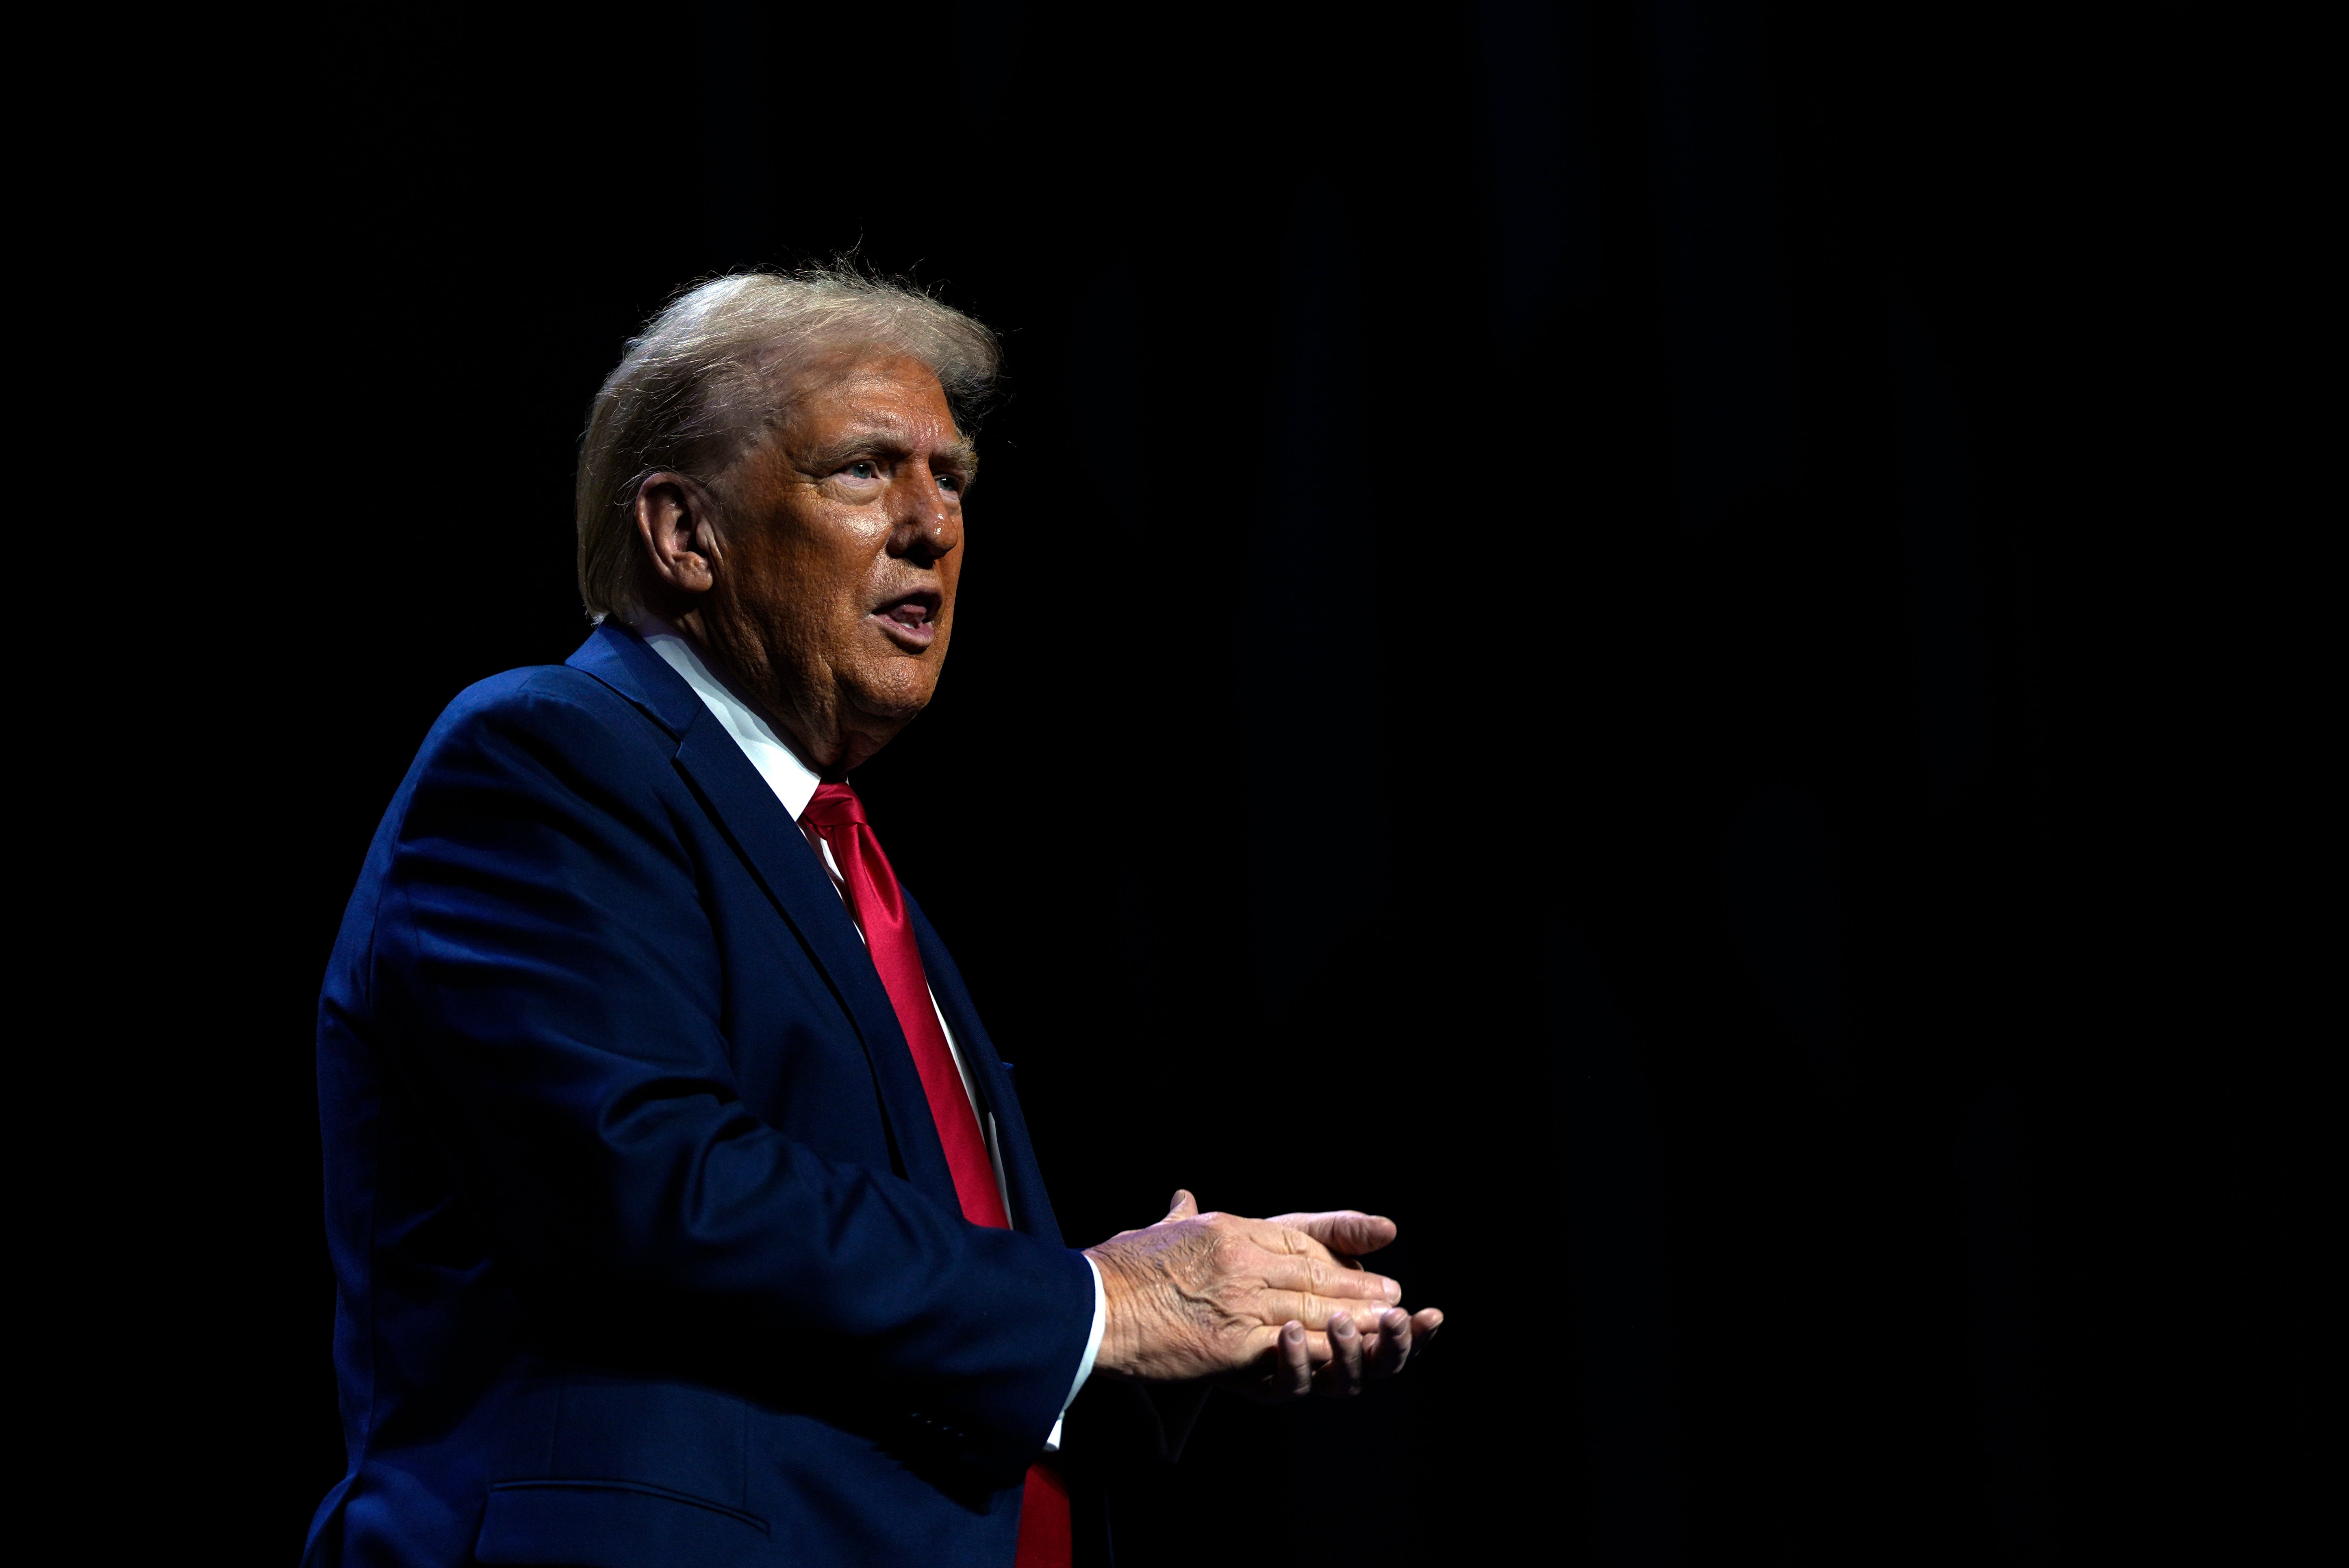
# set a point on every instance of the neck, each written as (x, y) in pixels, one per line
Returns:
(830, 762)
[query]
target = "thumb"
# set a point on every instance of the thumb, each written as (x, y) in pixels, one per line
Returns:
(1183, 1206)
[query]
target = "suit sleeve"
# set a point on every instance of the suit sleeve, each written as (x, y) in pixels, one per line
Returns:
(545, 981)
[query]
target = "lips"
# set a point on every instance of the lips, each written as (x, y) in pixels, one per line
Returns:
(911, 619)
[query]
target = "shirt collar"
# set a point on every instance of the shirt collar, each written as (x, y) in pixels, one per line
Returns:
(761, 740)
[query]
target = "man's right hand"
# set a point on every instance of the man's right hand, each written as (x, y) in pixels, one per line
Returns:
(1197, 1295)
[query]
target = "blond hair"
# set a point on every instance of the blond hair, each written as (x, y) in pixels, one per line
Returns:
(703, 384)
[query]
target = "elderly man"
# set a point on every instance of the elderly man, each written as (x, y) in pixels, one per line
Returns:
(681, 1211)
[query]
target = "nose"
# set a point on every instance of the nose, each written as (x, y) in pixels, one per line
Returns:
(928, 522)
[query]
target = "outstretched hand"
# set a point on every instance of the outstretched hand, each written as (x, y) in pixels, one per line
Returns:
(1279, 1308)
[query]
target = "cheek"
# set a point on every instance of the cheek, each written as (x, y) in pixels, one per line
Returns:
(819, 589)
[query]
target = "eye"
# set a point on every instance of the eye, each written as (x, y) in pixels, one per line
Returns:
(950, 482)
(862, 468)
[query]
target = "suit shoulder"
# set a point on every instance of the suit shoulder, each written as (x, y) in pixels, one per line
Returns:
(531, 745)
(543, 732)
(541, 689)
(548, 702)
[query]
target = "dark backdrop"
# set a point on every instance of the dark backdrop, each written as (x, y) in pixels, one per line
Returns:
(1627, 632)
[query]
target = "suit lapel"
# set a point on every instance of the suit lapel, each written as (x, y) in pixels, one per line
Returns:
(777, 854)
(1031, 1210)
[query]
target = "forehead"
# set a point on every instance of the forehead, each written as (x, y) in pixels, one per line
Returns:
(888, 391)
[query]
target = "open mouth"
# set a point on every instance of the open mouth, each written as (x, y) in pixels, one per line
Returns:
(911, 619)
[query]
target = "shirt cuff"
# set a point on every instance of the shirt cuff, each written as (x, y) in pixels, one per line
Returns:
(1093, 1351)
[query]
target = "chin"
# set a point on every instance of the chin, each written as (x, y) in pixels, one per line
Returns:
(895, 698)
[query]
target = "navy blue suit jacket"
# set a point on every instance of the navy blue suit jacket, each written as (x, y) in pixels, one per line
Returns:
(646, 1249)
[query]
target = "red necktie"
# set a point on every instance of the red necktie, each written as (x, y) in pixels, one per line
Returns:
(879, 907)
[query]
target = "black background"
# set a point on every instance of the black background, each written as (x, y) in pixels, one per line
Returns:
(1653, 637)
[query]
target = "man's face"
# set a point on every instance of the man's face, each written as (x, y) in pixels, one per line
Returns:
(839, 556)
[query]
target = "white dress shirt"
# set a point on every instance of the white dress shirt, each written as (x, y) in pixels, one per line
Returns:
(794, 784)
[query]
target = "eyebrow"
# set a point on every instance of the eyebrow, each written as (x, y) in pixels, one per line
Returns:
(960, 455)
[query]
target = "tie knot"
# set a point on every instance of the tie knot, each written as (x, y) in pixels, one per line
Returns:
(835, 805)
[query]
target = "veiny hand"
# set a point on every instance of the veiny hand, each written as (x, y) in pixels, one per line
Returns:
(1197, 1296)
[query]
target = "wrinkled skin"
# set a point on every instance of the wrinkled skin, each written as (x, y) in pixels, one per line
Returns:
(1279, 1307)
(828, 590)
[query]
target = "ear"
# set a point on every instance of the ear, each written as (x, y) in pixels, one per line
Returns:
(679, 536)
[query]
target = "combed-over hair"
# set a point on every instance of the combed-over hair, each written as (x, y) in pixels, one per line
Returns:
(705, 381)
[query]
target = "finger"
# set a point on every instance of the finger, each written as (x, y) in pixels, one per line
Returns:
(1313, 1276)
(1393, 1347)
(1331, 1277)
(1183, 1207)
(1292, 1373)
(1342, 1375)
(1313, 1310)
(1409, 1332)
(1347, 1232)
